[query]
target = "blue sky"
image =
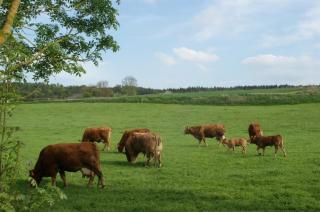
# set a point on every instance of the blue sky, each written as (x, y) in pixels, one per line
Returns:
(181, 43)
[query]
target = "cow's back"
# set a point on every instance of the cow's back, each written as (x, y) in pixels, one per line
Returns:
(67, 156)
(213, 130)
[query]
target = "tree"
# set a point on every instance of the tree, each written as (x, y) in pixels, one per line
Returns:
(129, 85)
(77, 31)
(102, 84)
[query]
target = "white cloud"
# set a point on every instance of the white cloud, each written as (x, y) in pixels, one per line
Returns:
(270, 60)
(306, 28)
(193, 55)
(230, 16)
(166, 59)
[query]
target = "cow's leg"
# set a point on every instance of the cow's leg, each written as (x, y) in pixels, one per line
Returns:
(275, 150)
(258, 150)
(147, 161)
(90, 182)
(263, 149)
(104, 146)
(233, 148)
(284, 151)
(63, 177)
(53, 179)
(205, 142)
(199, 142)
(159, 160)
(98, 172)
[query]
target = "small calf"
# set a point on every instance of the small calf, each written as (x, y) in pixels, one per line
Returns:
(274, 140)
(233, 142)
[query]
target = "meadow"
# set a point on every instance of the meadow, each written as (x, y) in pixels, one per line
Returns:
(192, 178)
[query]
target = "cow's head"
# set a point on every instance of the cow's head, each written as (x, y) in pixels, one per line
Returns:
(220, 138)
(120, 147)
(34, 176)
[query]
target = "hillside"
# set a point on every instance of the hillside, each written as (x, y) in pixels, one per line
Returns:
(231, 96)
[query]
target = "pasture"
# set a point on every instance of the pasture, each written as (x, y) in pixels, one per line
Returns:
(192, 178)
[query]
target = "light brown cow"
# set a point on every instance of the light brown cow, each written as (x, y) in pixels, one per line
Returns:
(234, 142)
(263, 141)
(69, 157)
(126, 134)
(149, 144)
(98, 134)
(201, 132)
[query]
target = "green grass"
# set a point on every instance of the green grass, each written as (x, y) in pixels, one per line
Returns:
(192, 178)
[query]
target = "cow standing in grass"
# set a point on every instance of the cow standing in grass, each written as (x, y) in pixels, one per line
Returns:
(234, 142)
(69, 157)
(149, 144)
(126, 135)
(263, 141)
(201, 132)
(98, 134)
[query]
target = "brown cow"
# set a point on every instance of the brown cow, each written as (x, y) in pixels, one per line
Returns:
(206, 131)
(149, 144)
(263, 141)
(234, 142)
(69, 157)
(98, 134)
(254, 129)
(126, 135)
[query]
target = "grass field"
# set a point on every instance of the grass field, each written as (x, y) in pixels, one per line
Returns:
(193, 178)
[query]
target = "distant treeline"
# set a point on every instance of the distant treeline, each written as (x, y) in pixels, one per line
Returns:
(244, 87)
(34, 91)
(38, 91)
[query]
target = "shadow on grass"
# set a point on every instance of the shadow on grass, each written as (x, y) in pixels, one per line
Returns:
(124, 163)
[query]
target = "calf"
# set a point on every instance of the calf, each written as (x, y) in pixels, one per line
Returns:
(126, 135)
(234, 142)
(98, 134)
(69, 157)
(263, 141)
(201, 132)
(149, 144)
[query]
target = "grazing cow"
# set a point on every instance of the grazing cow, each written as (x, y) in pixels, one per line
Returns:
(263, 141)
(206, 131)
(233, 142)
(254, 129)
(69, 157)
(149, 144)
(97, 135)
(126, 135)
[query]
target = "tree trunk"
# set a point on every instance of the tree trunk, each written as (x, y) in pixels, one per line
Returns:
(6, 31)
